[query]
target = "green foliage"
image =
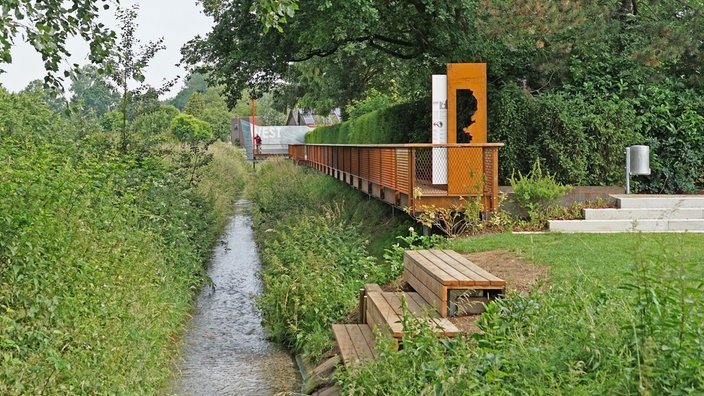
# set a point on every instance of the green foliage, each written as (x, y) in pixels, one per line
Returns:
(92, 91)
(536, 191)
(154, 123)
(374, 100)
(627, 322)
(316, 257)
(126, 68)
(195, 106)
(25, 115)
(402, 123)
(100, 254)
(195, 82)
(48, 26)
(673, 119)
(188, 129)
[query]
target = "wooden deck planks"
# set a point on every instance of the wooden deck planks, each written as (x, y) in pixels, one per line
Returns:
(458, 258)
(386, 312)
(355, 341)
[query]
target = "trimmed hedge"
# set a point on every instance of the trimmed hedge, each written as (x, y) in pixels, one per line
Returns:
(403, 123)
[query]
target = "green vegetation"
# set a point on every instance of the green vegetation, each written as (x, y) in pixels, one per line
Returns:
(569, 83)
(101, 252)
(621, 315)
(402, 123)
(536, 191)
(316, 238)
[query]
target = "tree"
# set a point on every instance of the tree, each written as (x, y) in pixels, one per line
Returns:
(195, 106)
(48, 24)
(93, 91)
(197, 135)
(239, 55)
(194, 83)
(127, 68)
(50, 98)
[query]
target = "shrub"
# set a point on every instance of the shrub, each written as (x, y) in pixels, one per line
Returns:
(402, 123)
(536, 191)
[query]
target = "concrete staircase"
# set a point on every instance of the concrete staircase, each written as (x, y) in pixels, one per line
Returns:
(640, 213)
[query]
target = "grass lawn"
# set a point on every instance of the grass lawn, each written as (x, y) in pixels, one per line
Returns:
(603, 257)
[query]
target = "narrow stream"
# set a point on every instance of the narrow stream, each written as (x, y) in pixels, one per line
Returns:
(226, 352)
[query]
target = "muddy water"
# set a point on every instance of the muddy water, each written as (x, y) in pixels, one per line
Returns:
(225, 349)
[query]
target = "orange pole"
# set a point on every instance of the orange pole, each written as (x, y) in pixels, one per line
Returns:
(253, 143)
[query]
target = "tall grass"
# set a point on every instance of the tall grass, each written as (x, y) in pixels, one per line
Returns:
(626, 323)
(314, 235)
(100, 254)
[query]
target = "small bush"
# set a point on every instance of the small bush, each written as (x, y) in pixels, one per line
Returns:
(536, 191)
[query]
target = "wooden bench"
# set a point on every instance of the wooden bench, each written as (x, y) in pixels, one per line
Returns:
(449, 282)
(356, 342)
(384, 311)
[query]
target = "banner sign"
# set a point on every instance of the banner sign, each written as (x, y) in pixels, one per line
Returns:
(439, 128)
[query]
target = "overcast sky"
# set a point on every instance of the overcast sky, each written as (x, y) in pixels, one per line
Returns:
(177, 21)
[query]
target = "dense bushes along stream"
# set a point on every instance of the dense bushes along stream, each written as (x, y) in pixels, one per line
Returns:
(100, 254)
(320, 242)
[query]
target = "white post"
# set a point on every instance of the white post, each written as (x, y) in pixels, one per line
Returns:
(628, 170)
(439, 128)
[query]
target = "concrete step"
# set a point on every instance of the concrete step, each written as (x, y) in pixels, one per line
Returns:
(642, 225)
(637, 214)
(643, 201)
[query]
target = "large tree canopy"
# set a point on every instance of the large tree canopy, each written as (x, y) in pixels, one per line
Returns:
(358, 40)
(48, 24)
(331, 52)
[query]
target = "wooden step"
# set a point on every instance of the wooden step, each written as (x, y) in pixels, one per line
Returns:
(384, 312)
(356, 342)
(449, 282)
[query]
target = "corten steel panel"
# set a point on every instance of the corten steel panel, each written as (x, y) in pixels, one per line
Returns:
(388, 167)
(491, 177)
(375, 166)
(335, 153)
(344, 159)
(364, 162)
(403, 170)
(354, 167)
(467, 76)
(466, 171)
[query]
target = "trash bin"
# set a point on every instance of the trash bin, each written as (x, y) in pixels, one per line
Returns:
(640, 160)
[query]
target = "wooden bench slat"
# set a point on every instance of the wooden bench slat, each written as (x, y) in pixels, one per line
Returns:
(454, 276)
(415, 258)
(354, 342)
(382, 314)
(428, 279)
(344, 342)
(470, 275)
(415, 276)
(364, 351)
(420, 308)
(495, 280)
(370, 339)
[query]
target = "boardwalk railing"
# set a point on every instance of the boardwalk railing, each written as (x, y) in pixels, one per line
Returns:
(411, 176)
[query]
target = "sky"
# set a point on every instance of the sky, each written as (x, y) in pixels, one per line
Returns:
(177, 21)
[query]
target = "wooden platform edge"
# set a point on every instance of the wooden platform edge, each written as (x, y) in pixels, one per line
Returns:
(355, 341)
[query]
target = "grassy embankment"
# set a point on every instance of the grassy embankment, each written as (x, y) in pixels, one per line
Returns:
(319, 241)
(622, 313)
(100, 255)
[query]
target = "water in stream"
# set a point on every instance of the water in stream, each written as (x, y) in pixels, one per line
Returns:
(225, 348)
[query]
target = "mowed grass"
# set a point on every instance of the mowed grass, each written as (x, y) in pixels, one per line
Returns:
(606, 258)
